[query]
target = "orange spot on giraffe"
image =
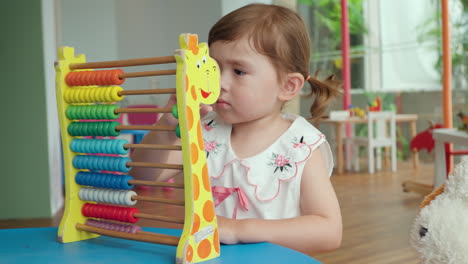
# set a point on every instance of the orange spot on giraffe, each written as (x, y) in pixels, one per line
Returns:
(208, 211)
(201, 144)
(194, 153)
(196, 223)
(193, 44)
(189, 253)
(189, 113)
(216, 240)
(194, 93)
(204, 248)
(186, 83)
(196, 187)
(205, 178)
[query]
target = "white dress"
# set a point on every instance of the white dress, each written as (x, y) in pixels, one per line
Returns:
(267, 185)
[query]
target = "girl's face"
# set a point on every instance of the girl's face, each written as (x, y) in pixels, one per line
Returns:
(249, 83)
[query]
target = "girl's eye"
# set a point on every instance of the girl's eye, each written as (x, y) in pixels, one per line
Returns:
(239, 72)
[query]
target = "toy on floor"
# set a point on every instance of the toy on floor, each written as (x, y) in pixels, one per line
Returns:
(87, 107)
(440, 231)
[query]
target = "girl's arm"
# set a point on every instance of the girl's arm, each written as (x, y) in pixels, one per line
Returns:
(319, 228)
(158, 156)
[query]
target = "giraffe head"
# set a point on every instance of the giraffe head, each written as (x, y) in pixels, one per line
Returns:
(204, 71)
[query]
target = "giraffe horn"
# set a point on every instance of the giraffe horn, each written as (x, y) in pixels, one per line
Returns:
(193, 43)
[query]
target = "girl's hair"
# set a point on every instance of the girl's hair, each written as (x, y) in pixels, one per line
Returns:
(279, 34)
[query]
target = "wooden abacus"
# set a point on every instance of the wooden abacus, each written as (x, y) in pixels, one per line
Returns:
(87, 105)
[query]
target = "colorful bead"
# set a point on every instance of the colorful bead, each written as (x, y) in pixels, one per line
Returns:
(93, 94)
(104, 180)
(122, 197)
(132, 229)
(74, 112)
(109, 212)
(106, 163)
(175, 113)
(106, 146)
(94, 129)
(101, 77)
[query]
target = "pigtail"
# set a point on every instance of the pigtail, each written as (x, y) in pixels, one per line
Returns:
(323, 91)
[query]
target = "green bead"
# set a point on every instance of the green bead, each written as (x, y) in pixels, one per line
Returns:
(177, 131)
(112, 130)
(174, 111)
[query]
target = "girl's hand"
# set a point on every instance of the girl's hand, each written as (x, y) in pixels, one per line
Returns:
(169, 119)
(228, 230)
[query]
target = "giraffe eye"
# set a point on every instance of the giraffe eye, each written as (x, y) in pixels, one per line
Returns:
(204, 59)
(198, 64)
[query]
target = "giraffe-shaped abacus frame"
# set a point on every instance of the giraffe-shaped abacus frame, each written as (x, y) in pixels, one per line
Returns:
(86, 101)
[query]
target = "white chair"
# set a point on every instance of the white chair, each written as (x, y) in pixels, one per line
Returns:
(384, 135)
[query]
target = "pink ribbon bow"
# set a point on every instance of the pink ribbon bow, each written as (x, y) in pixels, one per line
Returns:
(220, 193)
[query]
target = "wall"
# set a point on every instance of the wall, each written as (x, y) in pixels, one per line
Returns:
(90, 27)
(121, 29)
(151, 28)
(28, 145)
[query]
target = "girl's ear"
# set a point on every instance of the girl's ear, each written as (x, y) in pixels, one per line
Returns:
(291, 86)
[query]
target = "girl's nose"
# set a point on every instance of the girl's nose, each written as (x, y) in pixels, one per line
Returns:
(224, 81)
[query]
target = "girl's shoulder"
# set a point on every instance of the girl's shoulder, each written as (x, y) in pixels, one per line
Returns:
(302, 132)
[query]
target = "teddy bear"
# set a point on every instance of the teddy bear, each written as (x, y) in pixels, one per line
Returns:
(440, 230)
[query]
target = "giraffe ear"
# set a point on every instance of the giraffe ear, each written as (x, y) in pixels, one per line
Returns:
(188, 41)
(183, 40)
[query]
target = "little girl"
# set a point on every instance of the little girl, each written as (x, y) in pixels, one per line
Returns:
(269, 171)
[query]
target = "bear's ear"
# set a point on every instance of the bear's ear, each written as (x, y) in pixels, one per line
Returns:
(457, 183)
(428, 198)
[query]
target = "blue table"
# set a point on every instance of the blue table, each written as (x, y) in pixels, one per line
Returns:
(38, 245)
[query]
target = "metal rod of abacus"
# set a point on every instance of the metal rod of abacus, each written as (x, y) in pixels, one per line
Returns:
(152, 146)
(152, 128)
(148, 91)
(157, 200)
(147, 73)
(153, 238)
(157, 184)
(123, 63)
(155, 165)
(159, 218)
(143, 110)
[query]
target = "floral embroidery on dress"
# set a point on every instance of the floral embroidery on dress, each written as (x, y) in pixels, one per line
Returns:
(211, 147)
(280, 162)
(210, 125)
(299, 143)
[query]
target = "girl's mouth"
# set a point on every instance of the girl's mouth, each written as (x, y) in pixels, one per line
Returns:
(221, 101)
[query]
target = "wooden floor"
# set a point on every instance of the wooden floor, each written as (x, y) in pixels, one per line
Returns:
(377, 215)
